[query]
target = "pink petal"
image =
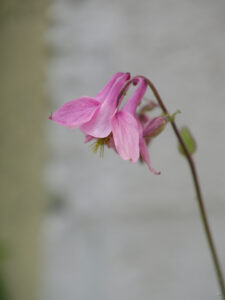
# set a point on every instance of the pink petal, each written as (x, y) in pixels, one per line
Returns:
(135, 99)
(126, 136)
(111, 143)
(105, 90)
(100, 125)
(154, 126)
(145, 155)
(143, 118)
(76, 112)
(114, 92)
(88, 138)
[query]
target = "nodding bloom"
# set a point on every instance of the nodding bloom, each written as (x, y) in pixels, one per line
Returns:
(100, 118)
(92, 115)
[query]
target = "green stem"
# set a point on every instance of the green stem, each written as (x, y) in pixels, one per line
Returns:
(191, 163)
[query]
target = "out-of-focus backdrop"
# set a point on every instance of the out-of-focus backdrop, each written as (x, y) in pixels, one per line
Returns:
(73, 225)
(22, 152)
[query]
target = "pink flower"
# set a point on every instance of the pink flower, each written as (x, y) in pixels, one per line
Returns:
(127, 132)
(92, 115)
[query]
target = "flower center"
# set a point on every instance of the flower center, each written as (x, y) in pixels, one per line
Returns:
(99, 144)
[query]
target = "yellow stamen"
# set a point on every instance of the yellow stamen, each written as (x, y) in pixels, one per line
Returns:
(99, 144)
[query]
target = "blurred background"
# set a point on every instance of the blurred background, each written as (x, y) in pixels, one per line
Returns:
(73, 225)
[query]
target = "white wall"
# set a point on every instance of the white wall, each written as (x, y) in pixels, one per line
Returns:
(116, 230)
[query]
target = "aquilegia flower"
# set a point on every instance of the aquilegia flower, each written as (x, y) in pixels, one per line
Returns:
(103, 123)
(129, 131)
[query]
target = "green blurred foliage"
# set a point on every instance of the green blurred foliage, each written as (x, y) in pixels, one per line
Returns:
(188, 141)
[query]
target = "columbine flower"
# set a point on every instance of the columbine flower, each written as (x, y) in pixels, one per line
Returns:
(127, 132)
(92, 115)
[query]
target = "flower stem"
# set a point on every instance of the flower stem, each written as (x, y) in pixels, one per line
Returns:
(202, 210)
(191, 163)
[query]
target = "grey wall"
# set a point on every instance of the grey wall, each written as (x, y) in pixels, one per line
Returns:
(114, 230)
(22, 150)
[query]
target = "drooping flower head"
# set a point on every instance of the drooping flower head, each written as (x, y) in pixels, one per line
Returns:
(103, 122)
